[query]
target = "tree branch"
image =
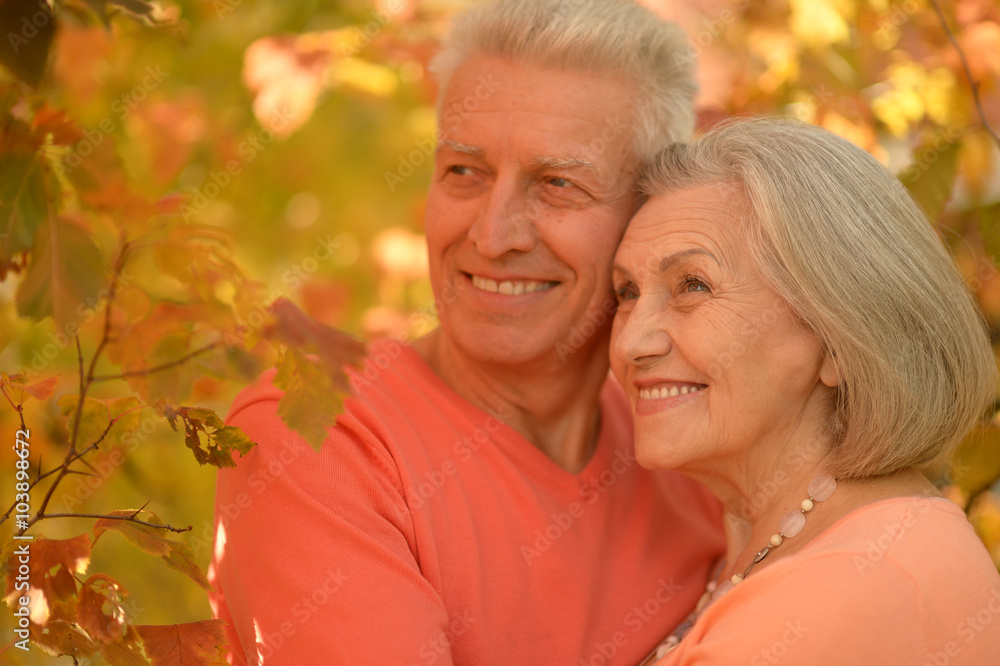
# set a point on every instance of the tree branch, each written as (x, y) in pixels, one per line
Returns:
(158, 368)
(968, 72)
(130, 519)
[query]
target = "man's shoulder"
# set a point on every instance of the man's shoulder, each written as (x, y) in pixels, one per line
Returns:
(390, 367)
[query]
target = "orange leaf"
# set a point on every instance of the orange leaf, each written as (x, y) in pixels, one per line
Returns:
(43, 389)
(201, 643)
(100, 591)
(53, 564)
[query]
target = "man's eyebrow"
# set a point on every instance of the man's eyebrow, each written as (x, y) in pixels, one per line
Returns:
(566, 163)
(475, 151)
(668, 261)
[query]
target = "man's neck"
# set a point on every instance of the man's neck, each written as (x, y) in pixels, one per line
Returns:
(553, 404)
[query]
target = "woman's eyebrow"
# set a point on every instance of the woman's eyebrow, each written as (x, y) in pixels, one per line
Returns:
(670, 260)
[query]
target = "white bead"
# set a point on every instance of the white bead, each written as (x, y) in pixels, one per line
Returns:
(807, 505)
(792, 523)
(821, 487)
(776, 540)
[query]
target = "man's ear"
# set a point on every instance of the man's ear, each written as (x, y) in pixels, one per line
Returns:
(829, 372)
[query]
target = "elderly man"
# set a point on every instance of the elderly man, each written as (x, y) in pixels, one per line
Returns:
(478, 501)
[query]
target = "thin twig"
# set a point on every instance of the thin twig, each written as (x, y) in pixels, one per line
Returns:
(157, 368)
(968, 71)
(130, 519)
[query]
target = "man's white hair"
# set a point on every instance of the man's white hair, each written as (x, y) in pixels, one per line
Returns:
(611, 37)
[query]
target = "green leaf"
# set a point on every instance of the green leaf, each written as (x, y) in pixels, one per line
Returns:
(27, 30)
(176, 554)
(311, 403)
(23, 206)
(66, 272)
(220, 440)
(96, 416)
(931, 175)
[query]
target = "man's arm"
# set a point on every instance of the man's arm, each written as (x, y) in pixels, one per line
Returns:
(314, 559)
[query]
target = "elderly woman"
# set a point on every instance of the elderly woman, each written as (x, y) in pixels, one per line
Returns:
(792, 333)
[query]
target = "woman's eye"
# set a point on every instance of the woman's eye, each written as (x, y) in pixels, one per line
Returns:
(693, 284)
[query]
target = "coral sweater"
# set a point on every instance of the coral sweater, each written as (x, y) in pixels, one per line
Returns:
(899, 582)
(426, 531)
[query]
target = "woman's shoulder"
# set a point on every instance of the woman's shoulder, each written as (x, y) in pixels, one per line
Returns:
(901, 581)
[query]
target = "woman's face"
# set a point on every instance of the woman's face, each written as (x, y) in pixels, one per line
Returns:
(714, 362)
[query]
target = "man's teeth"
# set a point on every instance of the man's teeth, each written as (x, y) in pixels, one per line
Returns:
(509, 288)
(665, 392)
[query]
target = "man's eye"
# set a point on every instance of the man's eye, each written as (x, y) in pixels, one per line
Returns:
(560, 182)
(459, 170)
(626, 292)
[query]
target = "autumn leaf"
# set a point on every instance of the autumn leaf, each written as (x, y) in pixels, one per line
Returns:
(54, 562)
(98, 414)
(66, 271)
(125, 652)
(60, 637)
(23, 205)
(24, 50)
(311, 402)
(177, 554)
(100, 591)
(190, 644)
(40, 390)
(221, 440)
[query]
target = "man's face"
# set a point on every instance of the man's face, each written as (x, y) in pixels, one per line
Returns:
(533, 186)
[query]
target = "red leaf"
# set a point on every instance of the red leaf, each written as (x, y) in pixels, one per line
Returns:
(201, 643)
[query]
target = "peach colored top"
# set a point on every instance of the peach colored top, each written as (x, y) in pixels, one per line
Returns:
(899, 582)
(427, 532)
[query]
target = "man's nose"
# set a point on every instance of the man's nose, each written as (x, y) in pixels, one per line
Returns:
(507, 220)
(642, 338)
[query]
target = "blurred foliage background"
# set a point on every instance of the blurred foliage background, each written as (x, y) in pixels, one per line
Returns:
(303, 133)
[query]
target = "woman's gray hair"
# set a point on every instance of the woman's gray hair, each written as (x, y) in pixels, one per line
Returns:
(844, 243)
(614, 37)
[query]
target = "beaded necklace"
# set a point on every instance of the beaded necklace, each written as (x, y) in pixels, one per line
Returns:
(791, 524)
